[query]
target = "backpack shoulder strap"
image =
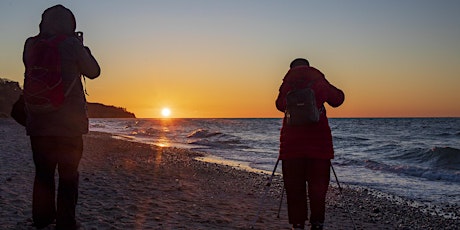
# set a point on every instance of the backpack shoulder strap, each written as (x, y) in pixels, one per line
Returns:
(311, 83)
(295, 85)
(67, 92)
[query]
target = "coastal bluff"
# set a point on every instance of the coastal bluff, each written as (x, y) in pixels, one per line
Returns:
(98, 110)
(10, 92)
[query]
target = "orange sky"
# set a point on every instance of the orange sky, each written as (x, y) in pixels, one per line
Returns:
(228, 58)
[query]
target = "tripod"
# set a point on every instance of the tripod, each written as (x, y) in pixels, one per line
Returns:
(340, 190)
(269, 183)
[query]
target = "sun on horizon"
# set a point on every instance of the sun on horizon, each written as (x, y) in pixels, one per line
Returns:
(166, 112)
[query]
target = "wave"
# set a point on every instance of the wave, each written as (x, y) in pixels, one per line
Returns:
(436, 164)
(437, 157)
(203, 133)
(205, 137)
(415, 171)
(150, 132)
(447, 134)
(446, 157)
(350, 138)
(97, 126)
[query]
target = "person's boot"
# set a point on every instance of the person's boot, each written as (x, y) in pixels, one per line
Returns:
(298, 226)
(316, 226)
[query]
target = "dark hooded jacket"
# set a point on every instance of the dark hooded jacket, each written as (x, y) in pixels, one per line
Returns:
(76, 60)
(314, 140)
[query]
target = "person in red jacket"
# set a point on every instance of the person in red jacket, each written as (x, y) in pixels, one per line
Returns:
(56, 137)
(306, 151)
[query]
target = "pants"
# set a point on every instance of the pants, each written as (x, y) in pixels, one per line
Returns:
(298, 172)
(65, 154)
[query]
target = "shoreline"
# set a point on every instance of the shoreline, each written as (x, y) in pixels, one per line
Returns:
(127, 185)
(444, 210)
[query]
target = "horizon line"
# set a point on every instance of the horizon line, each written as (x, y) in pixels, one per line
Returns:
(357, 117)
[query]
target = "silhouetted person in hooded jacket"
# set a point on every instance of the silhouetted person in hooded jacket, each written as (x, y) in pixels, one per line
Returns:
(56, 137)
(306, 151)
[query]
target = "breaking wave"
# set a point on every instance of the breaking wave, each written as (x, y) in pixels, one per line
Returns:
(204, 137)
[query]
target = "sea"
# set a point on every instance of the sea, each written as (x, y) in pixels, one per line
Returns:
(416, 159)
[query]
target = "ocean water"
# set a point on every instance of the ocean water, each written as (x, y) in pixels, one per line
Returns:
(413, 158)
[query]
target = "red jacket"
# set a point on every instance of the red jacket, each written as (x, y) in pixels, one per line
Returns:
(315, 140)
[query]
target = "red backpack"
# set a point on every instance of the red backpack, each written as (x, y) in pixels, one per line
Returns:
(43, 86)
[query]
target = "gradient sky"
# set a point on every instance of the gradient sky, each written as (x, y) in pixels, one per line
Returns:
(227, 58)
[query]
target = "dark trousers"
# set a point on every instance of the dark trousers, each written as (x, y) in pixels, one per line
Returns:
(65, 154)
(296, 174)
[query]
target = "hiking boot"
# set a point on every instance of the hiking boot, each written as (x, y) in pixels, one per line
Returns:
(44, 224)
(316, 226)
(298, 226)
(75, 226)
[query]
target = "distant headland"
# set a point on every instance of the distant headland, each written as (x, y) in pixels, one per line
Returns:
(10, 91)
(98, 110)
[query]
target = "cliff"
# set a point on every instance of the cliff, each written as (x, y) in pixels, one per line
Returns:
(10, 91)
(98, 110)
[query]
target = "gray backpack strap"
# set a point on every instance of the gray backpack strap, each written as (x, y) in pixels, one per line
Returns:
(71, 86)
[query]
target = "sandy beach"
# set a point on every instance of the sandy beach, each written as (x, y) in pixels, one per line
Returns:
(125, 185)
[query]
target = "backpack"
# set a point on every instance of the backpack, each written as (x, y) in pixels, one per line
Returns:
(301, 107)
(43, 85)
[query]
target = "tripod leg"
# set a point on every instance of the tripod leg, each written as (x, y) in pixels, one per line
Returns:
(281, 203)
(306, 201)
(340, 190)
(265, 194)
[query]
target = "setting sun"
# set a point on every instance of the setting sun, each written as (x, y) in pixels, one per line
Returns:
(165, 112)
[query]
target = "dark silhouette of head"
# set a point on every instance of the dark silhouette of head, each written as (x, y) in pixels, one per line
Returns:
(299, 62)
(57, 20)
